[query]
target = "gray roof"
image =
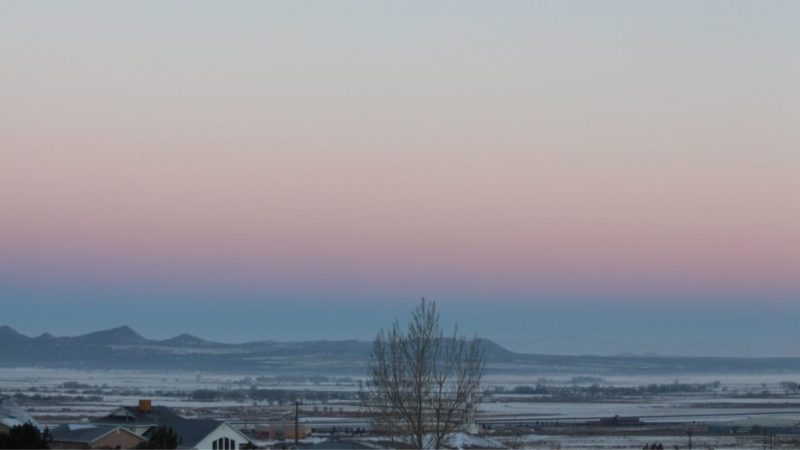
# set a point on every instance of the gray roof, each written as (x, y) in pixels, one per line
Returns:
(83, 433)
(190, 431)
(135, 416)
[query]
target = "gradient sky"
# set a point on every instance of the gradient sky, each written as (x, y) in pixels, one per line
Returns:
(565, 177)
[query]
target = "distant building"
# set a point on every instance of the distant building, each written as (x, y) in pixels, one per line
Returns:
(12, 415)
(757, 425)
(94, 436)
(192, 433)
(283, 431)
(619, 421)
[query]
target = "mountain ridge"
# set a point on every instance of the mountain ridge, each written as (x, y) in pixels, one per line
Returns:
(125, 334)
(124, 348)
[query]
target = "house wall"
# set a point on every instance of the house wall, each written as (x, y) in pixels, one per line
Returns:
(118, 439)
(132, 427)
(57, 444)
(222, 431)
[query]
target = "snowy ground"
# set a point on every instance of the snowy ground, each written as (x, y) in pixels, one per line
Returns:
(637, 442)
(737, 394)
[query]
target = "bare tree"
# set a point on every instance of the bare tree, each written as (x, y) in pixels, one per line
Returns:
(424, 386)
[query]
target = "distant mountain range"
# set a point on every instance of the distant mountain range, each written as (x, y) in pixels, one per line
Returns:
(124, 348)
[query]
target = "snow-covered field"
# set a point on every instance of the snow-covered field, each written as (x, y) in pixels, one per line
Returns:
(54, 396)
(721, 442)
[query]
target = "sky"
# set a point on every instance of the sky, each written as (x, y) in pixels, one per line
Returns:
(561, 177)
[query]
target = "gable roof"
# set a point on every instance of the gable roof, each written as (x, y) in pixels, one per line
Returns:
(132, 415)
(86, 433)
(190, 431)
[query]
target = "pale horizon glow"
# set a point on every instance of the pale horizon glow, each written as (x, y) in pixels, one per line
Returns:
(574, 159)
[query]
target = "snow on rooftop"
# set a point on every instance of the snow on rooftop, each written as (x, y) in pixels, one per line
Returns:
(464, 440)
(11, 412)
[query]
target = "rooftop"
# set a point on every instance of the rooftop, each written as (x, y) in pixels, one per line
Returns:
(83, 433)
(132, 415)
(190, 431)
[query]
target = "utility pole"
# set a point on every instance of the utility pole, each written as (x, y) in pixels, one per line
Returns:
(690, 438)
(296, 422)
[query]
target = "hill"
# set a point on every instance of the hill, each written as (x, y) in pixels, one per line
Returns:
(124, 348)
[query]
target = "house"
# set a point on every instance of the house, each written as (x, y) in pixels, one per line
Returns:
(139, 419)
(94, 436)
(11, 415)
(192, 433)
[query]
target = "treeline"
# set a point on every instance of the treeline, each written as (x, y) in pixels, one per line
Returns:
(272, 396)
(72, 391)
(20, 397)
(284, 379)
(24, 436)
(599, 391)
